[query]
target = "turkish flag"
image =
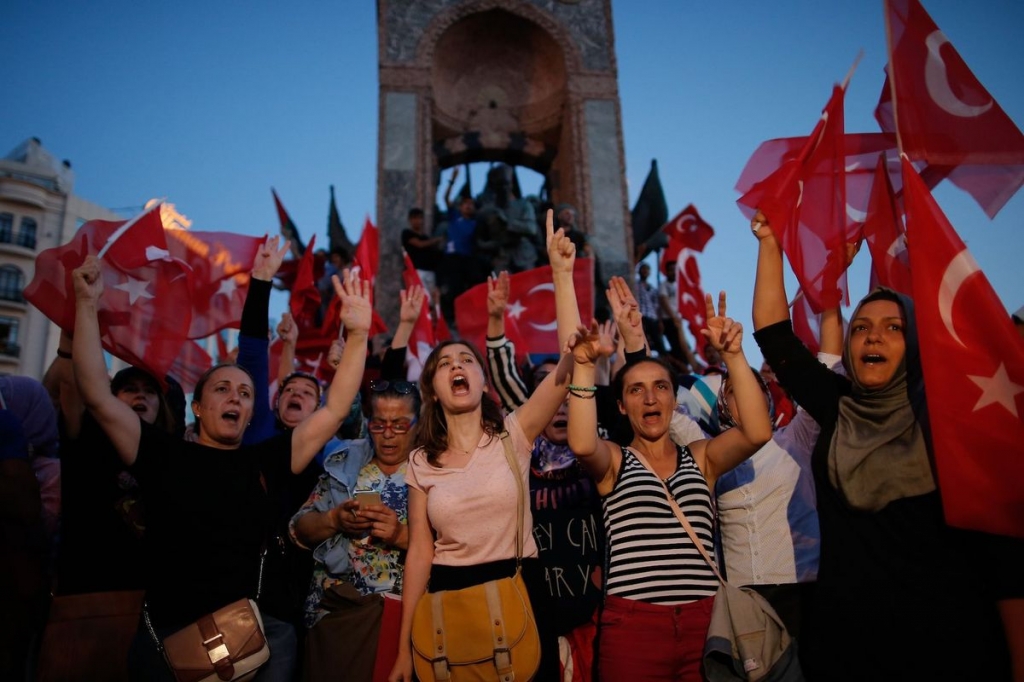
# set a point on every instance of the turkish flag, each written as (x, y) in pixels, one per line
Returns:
(304, 299)
(805, 202)
(221, 263)
(441, 330)
(422, 339)
(944, 115)
(973, 362)
(530, 311)
(883, 231)
(366, 262)
(861, 151)
(686, 231)
(690, 297)
(145, 310)
(189, 365)
(806, 324)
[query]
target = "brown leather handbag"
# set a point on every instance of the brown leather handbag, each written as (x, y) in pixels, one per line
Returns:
(227, 644)
(482, 632)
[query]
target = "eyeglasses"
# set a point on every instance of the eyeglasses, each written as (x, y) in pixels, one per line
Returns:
(399, 387)
(397, 427)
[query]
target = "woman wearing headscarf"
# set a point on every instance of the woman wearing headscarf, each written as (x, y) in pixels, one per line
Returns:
(900, 594)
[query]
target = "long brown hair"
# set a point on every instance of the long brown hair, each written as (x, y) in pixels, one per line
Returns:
(433, 431)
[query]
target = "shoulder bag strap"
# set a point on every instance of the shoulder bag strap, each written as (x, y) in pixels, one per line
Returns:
(510, 457)
(680, 515)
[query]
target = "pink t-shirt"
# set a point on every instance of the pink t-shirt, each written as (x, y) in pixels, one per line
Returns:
(473, 509)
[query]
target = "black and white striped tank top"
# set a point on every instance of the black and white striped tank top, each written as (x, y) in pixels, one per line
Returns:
(652, 558)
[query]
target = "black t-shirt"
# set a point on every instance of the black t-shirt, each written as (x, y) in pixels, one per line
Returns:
(207, 515)
(423, 257)
(102, 519)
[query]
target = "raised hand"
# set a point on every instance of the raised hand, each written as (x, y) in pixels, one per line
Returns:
(760, 226)
(356, 311)
(626, 313)
(269, 258)
(497, 294)
(587, 346)
(561, 250)
(88, 280)
(609, 334)
(411, 304)
(287, 330)
(723, 333)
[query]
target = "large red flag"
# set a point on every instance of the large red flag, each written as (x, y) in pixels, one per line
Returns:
(220, 263)
(943, 114)
(145, 310)
(806, 324)
(973, 362)
(883, 231)
(304, 299)
(805, 202)
(366, 261)
(690, 297)
(531, 308)
(686, 231)
(190, 364)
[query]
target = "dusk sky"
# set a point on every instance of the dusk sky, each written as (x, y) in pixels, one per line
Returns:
(210, 104)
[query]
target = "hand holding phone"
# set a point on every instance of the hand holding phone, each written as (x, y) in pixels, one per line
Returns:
(365, 498)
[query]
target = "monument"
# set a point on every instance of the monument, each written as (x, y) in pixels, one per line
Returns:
(526, 82)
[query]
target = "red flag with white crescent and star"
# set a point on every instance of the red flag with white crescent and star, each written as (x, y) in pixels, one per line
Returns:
(530, 311)
(685, 231)
(884, 233)
(943, 114)
(146, 306)
(973, 363)
(221, 263)
(690, 297)
(304, 298)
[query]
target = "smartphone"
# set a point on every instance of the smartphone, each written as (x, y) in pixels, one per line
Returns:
(367, 497)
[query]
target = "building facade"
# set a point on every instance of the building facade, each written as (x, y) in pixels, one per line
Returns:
(38, 210)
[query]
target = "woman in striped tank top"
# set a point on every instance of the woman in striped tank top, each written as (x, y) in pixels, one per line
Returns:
(659, 590)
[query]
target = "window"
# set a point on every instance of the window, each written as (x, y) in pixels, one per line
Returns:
(9, 336)
(6, 227)
(11, 283)
(27, 233)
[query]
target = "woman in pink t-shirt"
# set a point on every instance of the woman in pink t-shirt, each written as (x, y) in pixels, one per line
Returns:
(462, 494)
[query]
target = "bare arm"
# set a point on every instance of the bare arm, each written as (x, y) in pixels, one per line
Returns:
(451, 183)
(117, 420)
(60, 382)
(314, 431)
(408, 313)
(727, 450)
(288, 331)
(599, 457)
(626, 312)
(414, 581)
(770, 302)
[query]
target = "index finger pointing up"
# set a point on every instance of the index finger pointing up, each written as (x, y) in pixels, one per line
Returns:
(550, 224)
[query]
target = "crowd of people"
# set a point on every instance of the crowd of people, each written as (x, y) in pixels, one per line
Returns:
(340, 507)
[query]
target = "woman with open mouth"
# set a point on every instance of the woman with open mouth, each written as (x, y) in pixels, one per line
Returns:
(659, 589)
(209, 502)
(900, 595)
(462, 494)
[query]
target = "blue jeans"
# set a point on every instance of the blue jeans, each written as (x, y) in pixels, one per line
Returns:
(146, 662)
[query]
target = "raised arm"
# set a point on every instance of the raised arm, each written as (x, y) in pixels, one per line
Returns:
(626, 312)
(546, 398)
(448, 190)
(727, 450)
(409, 310)
(356, 312)
(116, 418)
(288, 332)
(597, 456)
(501, 355)
(770, 302)
(59, 381)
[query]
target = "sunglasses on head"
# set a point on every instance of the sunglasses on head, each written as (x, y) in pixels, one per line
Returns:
(399, 387)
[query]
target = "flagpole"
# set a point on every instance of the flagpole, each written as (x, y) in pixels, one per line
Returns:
(853, 67)
(124, 228)
(892, 75)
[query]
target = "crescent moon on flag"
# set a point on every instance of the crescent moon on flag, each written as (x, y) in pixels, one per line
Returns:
(681, 267)
(682, 225)
(553, 324)
(855, 215)
(959, 269)
(937, 82)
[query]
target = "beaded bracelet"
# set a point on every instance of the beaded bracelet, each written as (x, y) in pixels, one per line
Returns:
(584, 392)
(587, 389)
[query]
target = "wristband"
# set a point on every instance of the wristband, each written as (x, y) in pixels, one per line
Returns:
(588, 389)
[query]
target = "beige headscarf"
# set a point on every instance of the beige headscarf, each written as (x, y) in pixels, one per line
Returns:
(879, 451)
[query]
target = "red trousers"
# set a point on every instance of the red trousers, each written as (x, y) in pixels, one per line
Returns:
(641, 641)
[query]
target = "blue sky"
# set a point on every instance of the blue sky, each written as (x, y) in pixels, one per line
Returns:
(209, 105)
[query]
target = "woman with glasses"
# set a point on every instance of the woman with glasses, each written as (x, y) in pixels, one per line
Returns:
(355, 521)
